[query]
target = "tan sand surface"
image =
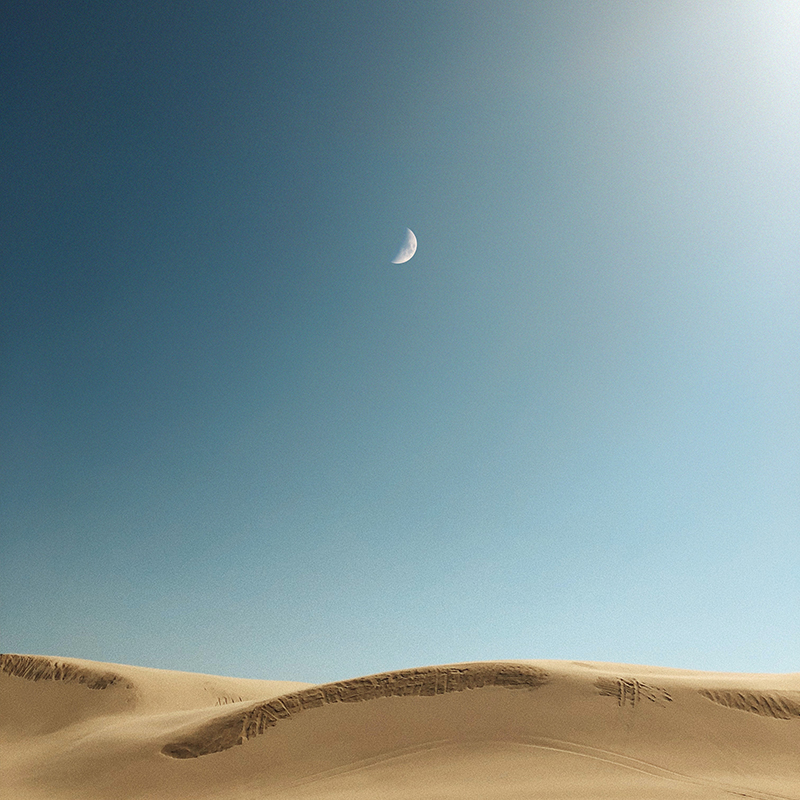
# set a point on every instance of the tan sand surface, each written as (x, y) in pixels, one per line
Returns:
(85, 730)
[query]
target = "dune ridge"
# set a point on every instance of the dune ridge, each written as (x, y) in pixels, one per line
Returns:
(571, 730)
(766, 705)
(42, 668)
(241, 726)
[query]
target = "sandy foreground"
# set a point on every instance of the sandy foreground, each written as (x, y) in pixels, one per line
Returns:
(506, 729)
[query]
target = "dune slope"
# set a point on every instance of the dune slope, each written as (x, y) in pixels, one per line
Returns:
(506, 729)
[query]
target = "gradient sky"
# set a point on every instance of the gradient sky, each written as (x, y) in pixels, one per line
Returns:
(236, 439)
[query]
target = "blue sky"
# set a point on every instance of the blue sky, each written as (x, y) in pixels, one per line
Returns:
(236, 439)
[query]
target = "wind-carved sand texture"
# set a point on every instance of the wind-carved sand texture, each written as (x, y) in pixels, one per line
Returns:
(765, 705)
(235, 729)
(630, 692)
(40, 668)
(225, 700)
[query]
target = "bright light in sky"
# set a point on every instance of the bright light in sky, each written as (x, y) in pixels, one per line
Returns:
(236, 441)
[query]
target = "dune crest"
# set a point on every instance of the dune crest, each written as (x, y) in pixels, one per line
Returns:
(237, 728)
(766, 705)
(42, 668)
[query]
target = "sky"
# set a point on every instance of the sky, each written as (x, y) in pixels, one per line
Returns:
(236, 439)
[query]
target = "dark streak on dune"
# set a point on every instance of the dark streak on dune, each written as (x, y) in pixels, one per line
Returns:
(39, 668)
(630, 692)
(765, 705)
(234, 729)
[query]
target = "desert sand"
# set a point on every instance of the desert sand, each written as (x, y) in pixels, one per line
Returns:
(71, 728)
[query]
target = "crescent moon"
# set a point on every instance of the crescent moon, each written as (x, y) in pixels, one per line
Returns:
(407, 249)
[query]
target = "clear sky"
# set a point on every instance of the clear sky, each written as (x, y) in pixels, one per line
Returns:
(237, 439)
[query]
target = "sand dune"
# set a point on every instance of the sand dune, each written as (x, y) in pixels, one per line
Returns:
(506, 729)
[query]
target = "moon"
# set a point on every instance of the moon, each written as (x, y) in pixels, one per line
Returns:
(407, 248)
